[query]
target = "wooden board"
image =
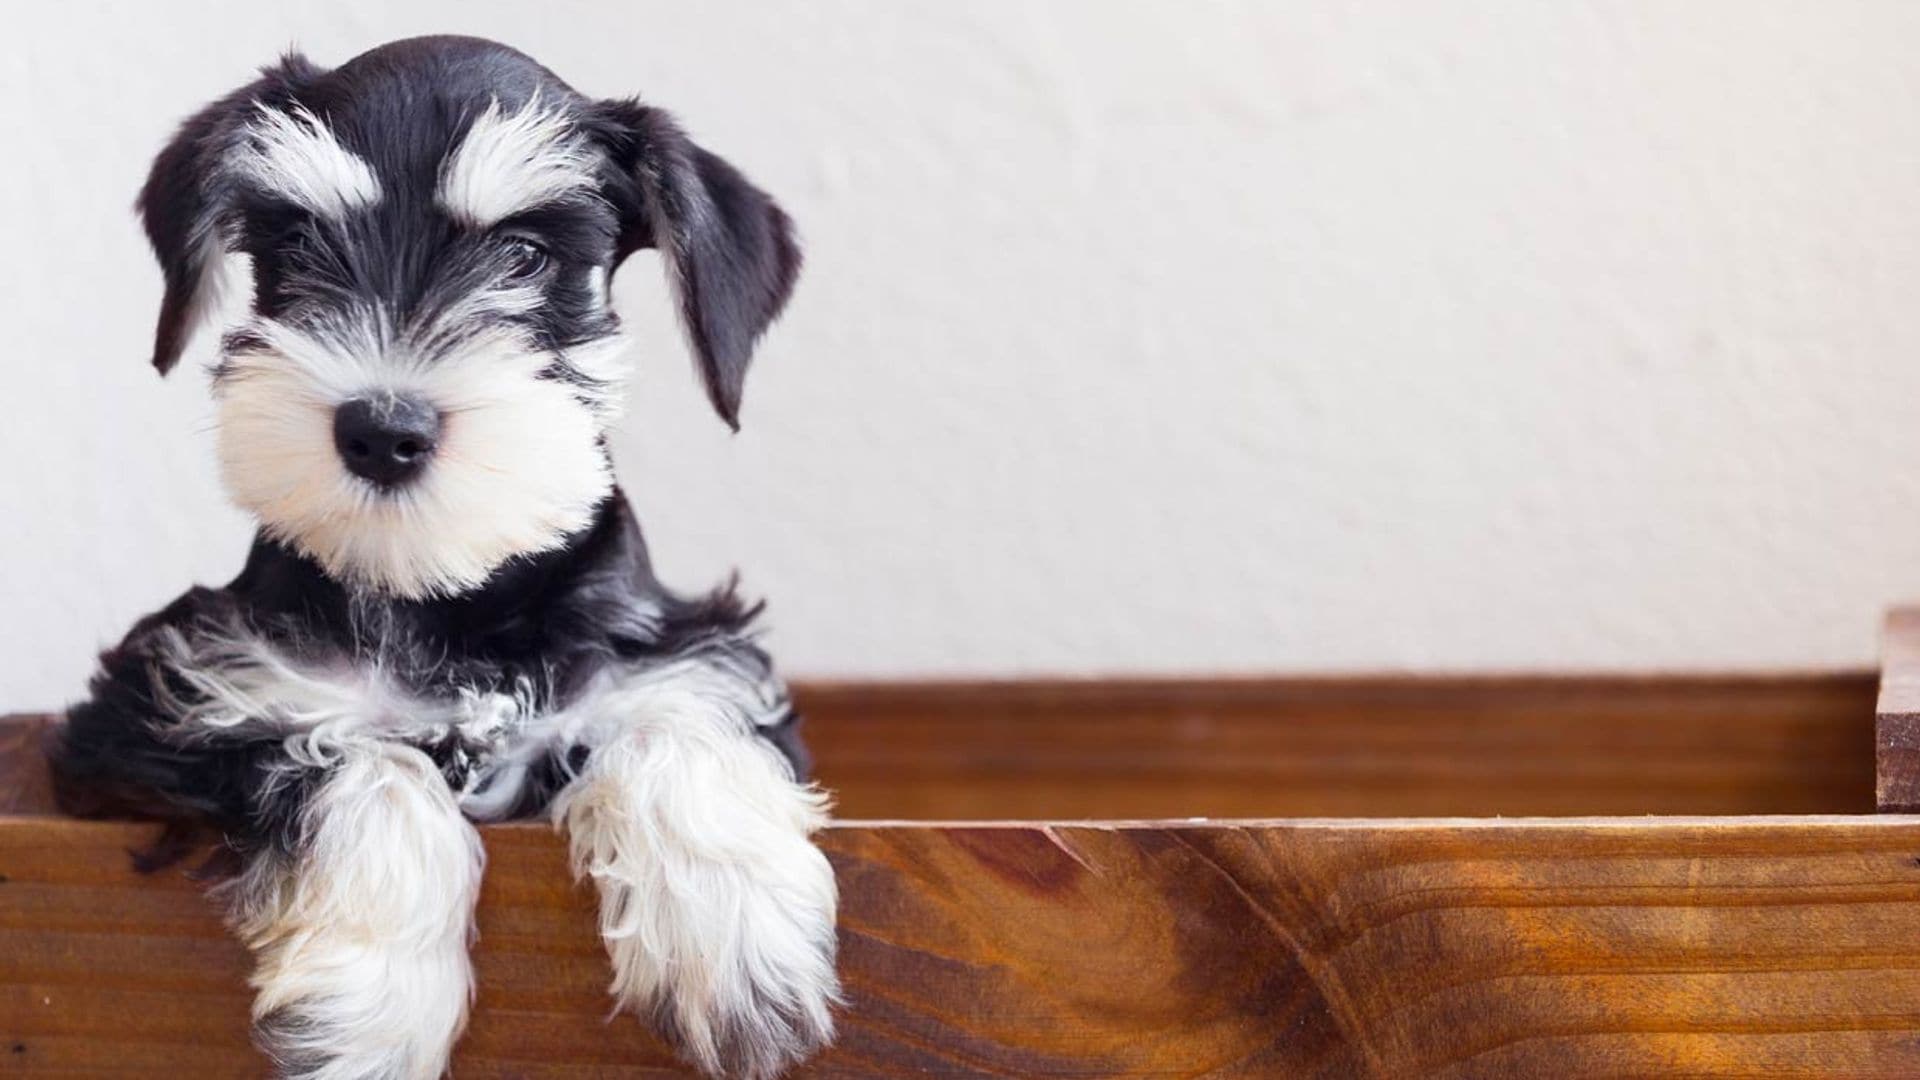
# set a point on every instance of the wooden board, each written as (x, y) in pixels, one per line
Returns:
(1360, 746)
(25, 787)
(1728, 946)
(1364, 746)
(1897, 720)
(1789, 947)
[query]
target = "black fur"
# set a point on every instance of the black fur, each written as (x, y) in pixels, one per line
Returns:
(729, 247)
(542, 629)
(553, 620)
(183, 200)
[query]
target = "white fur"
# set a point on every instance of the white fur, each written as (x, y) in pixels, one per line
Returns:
(360, 944)
(507, 164)
(517, 469)
(716, 909)
(218, 276)
(605, 362)
(296, 155)
(242, 688)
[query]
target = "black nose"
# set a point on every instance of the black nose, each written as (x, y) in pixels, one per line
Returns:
(387, 439)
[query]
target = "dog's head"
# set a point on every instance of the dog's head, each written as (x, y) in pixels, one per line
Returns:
(421, 388)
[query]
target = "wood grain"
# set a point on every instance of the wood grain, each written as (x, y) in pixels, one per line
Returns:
(1785, 946)
(1789, 947)
(1361, 746)
(25, 787)
(1896, 737)
(1365, 746)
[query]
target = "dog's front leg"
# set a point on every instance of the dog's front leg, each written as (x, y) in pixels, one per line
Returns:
(359, 921)
(716, 909)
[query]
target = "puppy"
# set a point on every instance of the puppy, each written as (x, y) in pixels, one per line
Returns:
(448, 613)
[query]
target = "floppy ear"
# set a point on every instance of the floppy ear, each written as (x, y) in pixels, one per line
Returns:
(187, 199)
(729, 249)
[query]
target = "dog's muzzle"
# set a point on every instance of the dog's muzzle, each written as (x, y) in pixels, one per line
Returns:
(388, 439)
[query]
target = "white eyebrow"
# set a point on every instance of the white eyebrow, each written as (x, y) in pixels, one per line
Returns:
(295, 154)
(510, 163)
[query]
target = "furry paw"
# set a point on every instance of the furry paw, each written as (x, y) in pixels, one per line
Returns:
(360, 942)
(769, 1015)
(717, 912)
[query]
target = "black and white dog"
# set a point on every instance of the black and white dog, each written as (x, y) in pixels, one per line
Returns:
(448, 613)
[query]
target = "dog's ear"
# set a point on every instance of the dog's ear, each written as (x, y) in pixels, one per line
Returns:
(187, 201)
(729, 249)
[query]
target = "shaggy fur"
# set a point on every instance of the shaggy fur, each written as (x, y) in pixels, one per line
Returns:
(479, 635)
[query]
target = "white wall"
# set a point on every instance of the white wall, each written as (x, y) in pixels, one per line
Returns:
(1162, 336)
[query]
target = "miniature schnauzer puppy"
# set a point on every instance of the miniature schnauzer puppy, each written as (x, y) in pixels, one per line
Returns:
(448, 613)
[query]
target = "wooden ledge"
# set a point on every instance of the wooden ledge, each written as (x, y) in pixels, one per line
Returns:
(1311, 747)
(1471, 946)
(1391, 948)
(1353, 746)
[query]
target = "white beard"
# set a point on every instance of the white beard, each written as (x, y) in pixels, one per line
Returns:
(519, 466)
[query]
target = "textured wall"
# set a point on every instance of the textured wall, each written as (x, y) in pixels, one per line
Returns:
(1171, 336)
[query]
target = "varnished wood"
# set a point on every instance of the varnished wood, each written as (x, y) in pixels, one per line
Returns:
(1349, 746)
(24, 785)
(1784, 947)
(1897, 720)
(1291, 747)
(1317, 747)
(1469, 948)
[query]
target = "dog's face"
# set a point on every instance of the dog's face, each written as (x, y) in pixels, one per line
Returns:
(421, 388)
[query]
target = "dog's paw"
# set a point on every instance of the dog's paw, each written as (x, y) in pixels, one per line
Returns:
(738, 977)
(308, 1041)
(361, 969)
(754, 1032)
(731, 962)
(716, 908)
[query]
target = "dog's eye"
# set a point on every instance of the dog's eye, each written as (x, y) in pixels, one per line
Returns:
(525, 258)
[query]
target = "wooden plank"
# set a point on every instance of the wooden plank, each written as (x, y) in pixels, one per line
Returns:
(25, 787)
(1370, 746)
(1785, 947)
(1897, 714)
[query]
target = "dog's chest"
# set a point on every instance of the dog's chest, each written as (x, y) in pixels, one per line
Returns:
(245, 686)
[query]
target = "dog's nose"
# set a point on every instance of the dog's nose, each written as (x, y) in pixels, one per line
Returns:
(387, 439)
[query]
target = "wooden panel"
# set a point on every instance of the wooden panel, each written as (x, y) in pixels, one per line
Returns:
(1351, 746)
(1377, 747)
(1897, 721)
(1789, 947)
(24, 784)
